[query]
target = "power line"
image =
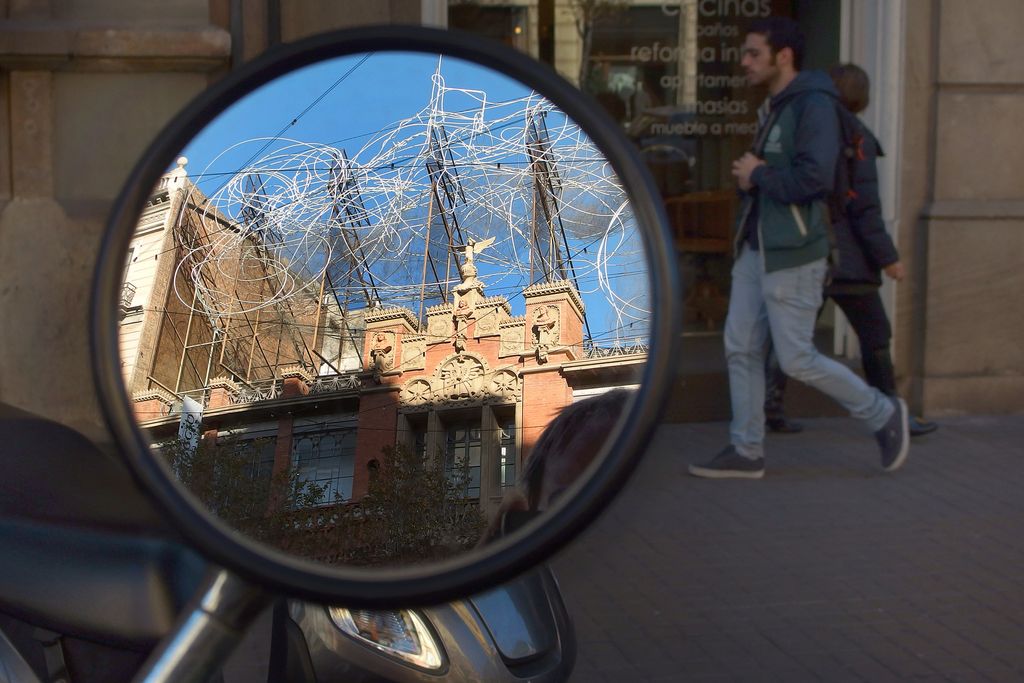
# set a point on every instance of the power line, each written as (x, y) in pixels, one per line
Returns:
(305, 111)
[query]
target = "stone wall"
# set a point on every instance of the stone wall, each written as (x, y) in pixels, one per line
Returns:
(85, 86)
(963, 164)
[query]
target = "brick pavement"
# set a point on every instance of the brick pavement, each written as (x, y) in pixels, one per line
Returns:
(827, 569)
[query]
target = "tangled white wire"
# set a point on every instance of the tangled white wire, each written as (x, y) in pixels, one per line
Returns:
(380, 223)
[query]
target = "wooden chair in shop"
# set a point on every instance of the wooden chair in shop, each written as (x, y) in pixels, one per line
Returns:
(702, 224)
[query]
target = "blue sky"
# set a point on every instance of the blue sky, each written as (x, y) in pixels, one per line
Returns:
(383, 89)
(343, 103)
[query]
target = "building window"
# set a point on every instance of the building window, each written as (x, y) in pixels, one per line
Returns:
(463, 450)
(419, 443)
(258, 456)
(128, 264)
(504, 24)
(507, 455)
(327, 460)
(623, 83)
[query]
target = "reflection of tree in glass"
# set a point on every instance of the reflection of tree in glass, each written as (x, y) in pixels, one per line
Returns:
(414, 510)
(586, 13)
(234, 481)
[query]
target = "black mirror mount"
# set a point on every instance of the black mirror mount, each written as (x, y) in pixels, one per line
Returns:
(430, 582)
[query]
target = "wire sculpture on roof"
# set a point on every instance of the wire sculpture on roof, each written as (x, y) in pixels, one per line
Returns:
(309, 222)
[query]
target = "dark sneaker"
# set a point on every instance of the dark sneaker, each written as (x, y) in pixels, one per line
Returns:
(780, 425)
(894, 437)
(729, 464)
(919, 427)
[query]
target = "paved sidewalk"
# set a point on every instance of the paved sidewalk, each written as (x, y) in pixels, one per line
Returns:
(827, 569)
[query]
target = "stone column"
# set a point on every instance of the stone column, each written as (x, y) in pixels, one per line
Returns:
(296, 381)
(222, 392)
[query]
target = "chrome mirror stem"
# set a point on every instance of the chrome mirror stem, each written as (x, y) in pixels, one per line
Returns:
(208, 631)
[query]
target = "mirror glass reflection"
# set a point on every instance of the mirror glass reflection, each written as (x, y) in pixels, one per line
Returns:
(355, 302)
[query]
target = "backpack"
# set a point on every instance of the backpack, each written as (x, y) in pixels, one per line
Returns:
(851, 141)
(851, 150)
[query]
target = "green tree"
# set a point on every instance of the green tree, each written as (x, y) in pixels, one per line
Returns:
(223, 473)
(413, 511)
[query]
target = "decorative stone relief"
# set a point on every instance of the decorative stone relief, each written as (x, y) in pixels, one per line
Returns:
(462, 377)
(487, 323)
(440, 329)
(298, 372)
(545, 331)
(418, 392)
(513, 340)
(156, 394)
(382, 353)
(414, 353)
(490, 315)
(505, 385)
(390, 316)
(560, 289)
(461, 316)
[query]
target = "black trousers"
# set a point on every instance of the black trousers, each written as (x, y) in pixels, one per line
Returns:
(868, 319)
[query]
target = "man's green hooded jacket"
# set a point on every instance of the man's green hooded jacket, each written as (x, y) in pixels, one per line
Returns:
(790, 191)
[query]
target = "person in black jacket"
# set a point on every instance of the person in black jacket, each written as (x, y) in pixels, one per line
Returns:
(865, 251)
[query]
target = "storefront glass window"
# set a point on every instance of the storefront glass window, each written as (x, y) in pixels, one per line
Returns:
(670, 74)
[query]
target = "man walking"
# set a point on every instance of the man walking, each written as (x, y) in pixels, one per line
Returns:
(781, 254)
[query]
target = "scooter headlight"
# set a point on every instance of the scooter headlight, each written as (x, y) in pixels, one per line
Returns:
(402, 634)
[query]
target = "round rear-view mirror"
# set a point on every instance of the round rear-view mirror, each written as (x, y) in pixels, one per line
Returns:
(385, 316)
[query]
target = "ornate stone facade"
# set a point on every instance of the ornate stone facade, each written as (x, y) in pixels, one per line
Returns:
(554, 319)
(386, 329)
(490, 314)
(297, 372)
(463, 378)
(391, 316)
(414, 353)
(381, 353)
(440, 325)
(513, 337)
(562, 290)
(152, 404)
(545, 330)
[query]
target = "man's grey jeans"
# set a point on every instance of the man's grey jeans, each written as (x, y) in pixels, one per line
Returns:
(785, 304)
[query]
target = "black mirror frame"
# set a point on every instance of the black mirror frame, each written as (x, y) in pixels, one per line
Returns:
(478, 570)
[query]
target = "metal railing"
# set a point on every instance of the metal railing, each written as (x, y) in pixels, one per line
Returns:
(265, 390)
(329, 384)
(629, 348)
